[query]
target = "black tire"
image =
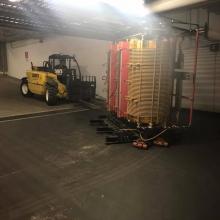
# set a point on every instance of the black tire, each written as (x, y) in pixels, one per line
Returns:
(24, 89)
(51, 95)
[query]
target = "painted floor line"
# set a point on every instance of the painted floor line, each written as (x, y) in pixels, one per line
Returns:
(36, 112)
(42, 116)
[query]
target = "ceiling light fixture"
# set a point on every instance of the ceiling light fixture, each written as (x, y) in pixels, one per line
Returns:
(165, 5)
(130, 7)
(127, 7)
(15, 0)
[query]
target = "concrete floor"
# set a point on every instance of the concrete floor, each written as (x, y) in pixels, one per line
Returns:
(12, 103)
(57, 168)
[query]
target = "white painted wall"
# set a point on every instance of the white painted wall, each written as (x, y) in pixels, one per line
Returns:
(91, 55)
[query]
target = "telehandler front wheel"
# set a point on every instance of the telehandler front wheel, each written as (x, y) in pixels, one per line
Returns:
(24, 89)
(51, 96)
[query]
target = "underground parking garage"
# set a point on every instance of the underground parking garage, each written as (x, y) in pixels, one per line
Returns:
(109, 109)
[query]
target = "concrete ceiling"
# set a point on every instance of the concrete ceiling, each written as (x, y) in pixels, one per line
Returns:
(40, 18)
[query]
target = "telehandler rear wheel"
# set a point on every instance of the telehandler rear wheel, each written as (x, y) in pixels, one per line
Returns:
(24, 89)
(51, 95)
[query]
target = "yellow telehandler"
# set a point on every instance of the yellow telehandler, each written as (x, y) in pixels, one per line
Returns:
(59, 77)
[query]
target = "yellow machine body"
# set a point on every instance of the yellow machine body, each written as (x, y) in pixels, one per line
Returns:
(59, 77)
(37, 82)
